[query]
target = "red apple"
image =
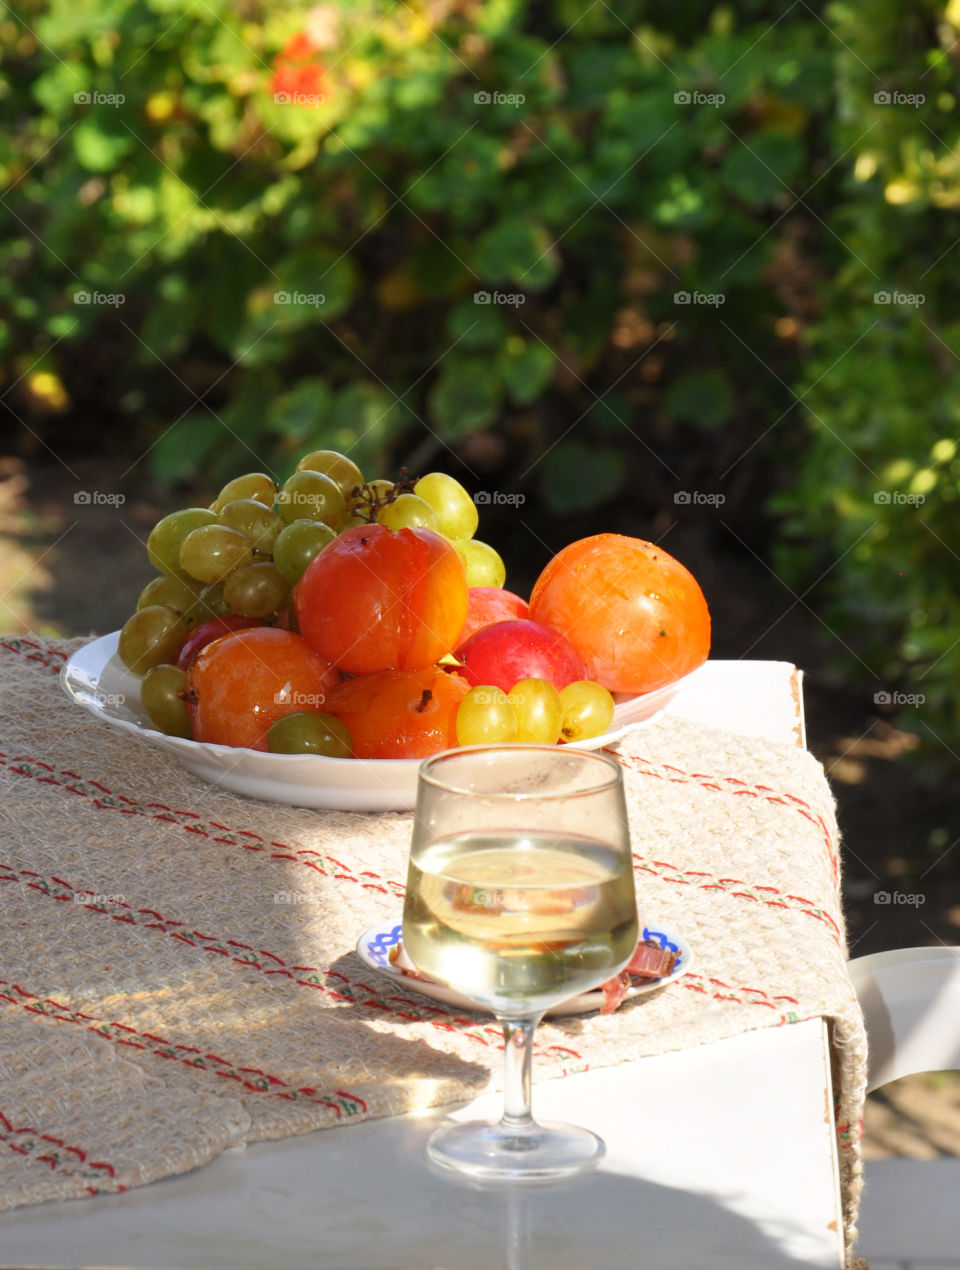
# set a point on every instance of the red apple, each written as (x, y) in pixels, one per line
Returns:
(506, 652)
(489, 604)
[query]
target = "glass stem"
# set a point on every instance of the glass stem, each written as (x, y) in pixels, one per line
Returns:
(518, 1055)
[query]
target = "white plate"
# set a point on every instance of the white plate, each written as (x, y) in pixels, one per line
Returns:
(96, 679)
(373, 947)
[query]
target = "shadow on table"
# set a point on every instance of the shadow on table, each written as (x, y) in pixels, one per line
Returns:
(381, 1207)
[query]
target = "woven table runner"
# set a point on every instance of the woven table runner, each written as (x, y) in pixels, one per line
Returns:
(177, 965)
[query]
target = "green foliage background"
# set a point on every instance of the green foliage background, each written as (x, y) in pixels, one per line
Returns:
(596, 190)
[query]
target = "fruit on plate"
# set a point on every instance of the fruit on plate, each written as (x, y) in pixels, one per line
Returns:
(310, 732)
(635, 615)
(243, 682)
(378, 599)
(507, 652)
(206, 633)
(489, 604)
(326, 614)
(400, 714)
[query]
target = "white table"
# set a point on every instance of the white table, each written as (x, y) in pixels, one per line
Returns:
(694, 1177)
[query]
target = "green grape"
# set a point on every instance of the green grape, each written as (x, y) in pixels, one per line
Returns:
(486, 717)
(337, 466)
(166, 537)
(153, 635)
(306, 732)
(159, 695)
(296, 546)
(537, 706)
(260, 523)
(312, 496)
(256, 485)
(484, 567)
(179, 594)
(256, 590)
(210, 603)
(211, 552)
(457, 510)
(407, 511)
(587, 710)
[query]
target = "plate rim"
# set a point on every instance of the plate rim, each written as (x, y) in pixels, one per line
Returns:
(80, 694)
(592, 999)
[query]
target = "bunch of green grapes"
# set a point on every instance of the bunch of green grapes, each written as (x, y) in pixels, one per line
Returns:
(534, 711)
(240, 558)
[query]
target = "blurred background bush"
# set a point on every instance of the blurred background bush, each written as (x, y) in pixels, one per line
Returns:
(674, 269)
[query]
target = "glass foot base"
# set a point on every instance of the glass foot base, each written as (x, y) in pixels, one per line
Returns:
(534, 1153)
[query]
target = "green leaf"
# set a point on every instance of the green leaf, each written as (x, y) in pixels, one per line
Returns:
(526, 367)
(759, 168)
(515, 250)
(465, 397)
(100, 145)
(298, 415)
(313, 286)
(476, 325)
(702, 396)
(576, 477)
(180, 453)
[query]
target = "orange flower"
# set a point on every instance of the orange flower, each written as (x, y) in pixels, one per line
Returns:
(298, 79)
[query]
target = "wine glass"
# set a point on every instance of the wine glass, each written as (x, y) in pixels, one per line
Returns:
(520, 894)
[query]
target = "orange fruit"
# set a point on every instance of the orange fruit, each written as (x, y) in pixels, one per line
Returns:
(635, 615)
(400, 714)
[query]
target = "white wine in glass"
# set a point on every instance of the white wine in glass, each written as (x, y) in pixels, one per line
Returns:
(520, 894)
